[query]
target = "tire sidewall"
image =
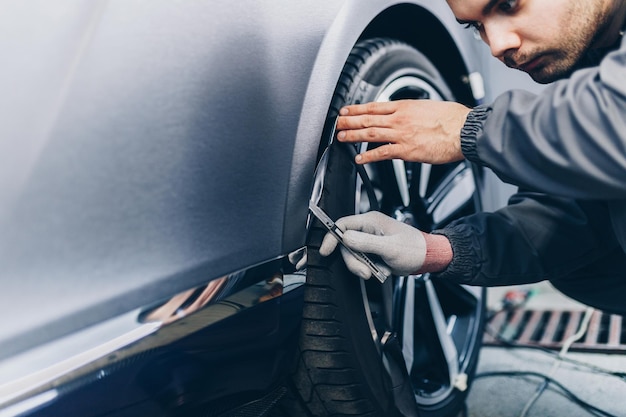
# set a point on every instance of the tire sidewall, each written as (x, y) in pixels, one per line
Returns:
(329, 283)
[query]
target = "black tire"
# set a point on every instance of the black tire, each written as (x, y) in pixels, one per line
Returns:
(430, 327)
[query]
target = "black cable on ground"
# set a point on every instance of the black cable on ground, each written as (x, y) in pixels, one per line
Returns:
(513, 344)
(560, 357)
(569, 394)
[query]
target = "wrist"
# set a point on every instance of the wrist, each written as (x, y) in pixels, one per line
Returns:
(470, 131)
(438, 253)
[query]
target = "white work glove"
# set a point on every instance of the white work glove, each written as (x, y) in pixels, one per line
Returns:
(400, 246)
(298, 258)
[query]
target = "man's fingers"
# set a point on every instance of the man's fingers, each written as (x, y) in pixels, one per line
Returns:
(302, 262)
(361, 222)
(366, 222)
(358, 268)
(329, 243)
(355, 266)
(368, 134)
(390, 150)
(386, 107)
(365, 242)
(364, 121)
(381, 153)
(298, 258)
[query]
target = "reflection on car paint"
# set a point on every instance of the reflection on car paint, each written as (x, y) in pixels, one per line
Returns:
(193, 300)
(183, 314)
(185, 303)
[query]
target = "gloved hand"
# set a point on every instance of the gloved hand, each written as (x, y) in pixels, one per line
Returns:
(401, 247)
(298, 258)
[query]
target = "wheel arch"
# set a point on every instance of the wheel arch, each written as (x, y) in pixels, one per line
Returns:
(414, 23)
(417, 26)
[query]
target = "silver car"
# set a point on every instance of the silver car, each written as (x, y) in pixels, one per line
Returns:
(157, 254)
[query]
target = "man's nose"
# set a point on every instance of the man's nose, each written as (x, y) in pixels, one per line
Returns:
(501, 38)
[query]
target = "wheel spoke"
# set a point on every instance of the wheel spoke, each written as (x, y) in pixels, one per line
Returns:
(408, 322)
(452, 195)
(424, 334)
(434, 321)
(441, 326)
(399, 170)
(424, 179)
(429, 351)
(457, 299)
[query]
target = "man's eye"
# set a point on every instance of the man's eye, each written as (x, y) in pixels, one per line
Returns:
(508, 5)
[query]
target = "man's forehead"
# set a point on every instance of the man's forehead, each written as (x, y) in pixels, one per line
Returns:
(471, 9)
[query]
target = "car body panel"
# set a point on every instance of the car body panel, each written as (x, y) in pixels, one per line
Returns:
(120, 190)
(118, 207)
(150, 147)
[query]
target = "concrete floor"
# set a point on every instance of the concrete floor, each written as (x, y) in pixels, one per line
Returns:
(508, 396)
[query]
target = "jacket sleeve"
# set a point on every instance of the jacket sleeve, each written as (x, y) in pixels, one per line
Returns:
(570, 140)
(535, 237)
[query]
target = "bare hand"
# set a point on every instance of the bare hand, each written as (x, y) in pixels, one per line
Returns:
(413, 130)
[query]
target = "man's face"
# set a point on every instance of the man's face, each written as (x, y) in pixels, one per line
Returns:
(544, 38)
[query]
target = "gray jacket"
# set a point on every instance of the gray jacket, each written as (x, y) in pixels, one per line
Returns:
(566, 149)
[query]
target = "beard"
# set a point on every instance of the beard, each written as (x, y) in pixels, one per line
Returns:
(582, 25)
(553, 65)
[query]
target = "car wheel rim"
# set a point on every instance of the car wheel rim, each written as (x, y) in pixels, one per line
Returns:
(437, 322)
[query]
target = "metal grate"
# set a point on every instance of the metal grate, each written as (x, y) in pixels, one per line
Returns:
(550, 329)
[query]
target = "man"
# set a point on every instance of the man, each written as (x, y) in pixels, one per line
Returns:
(565, 148)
